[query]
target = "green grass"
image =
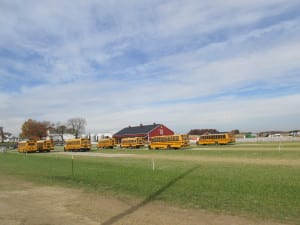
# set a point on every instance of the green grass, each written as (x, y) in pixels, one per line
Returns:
(287, 150)
(263, 191)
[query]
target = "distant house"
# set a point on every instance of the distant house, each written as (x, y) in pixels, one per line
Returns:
(146, 131)
(294, 133)
(57, 137)
(272, 134)
(8, 137)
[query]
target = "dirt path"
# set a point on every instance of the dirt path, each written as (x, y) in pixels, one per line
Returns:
(25, 203)
(282, 162)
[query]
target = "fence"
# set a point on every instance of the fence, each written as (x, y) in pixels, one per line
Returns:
(3, 149)
(268, 139)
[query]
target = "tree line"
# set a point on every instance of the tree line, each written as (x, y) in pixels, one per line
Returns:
(33, 129)
(209, 131)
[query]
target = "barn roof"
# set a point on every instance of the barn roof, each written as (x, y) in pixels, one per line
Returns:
(142, 129)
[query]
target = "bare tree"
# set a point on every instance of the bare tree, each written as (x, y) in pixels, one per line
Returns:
(61, 129)
(2, 134)
(77, 125)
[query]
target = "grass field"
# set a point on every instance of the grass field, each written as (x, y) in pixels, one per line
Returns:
(268, 191)
(287, 150)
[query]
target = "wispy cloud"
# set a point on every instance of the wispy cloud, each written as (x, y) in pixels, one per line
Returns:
(225, 64)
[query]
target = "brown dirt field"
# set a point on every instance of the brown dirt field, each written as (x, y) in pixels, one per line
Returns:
(26, 203)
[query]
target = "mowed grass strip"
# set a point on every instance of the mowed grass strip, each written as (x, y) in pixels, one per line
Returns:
(263, 191)
(275, 150)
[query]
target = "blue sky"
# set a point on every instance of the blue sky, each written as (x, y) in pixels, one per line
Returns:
(189, 64)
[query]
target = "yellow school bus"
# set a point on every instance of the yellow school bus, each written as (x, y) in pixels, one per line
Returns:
(169, 141)
(27, 146)
(45, 145)
(106, 143)
(134, 142)
(216, 139)
(79, 144)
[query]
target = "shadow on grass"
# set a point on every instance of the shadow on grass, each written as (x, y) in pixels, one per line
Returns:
(150, 198)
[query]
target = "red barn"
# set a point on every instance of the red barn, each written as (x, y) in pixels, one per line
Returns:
(146, 131)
